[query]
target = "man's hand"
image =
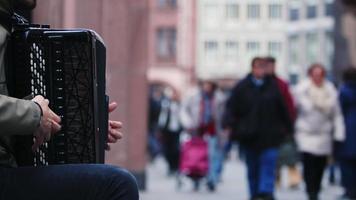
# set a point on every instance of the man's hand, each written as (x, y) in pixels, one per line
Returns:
(49, 123)
(114, 126)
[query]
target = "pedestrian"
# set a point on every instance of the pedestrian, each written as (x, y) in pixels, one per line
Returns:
(346, 150)
(34, 117)
(288, 154)
(318, 124)
(170, 129)
(154, 109)
(201, 114)
(258, 120)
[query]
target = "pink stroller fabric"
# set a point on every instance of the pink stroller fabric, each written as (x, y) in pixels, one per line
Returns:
(194, 160)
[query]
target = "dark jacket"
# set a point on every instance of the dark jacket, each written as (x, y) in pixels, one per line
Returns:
(257, 115)
(347, 149)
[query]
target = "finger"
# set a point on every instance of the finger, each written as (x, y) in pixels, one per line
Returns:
(112, 106)
(54, 116)
(37, 143)
(55, 127)
(46, 101)
(115, 124)
(111, 139)
(115, 134)
(47, 138)
(35, 146)
(38, 98)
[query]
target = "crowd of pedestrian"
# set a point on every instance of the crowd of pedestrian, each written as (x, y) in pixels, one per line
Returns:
(274, 124)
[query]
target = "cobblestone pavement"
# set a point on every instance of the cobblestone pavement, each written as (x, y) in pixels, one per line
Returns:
(232, 187)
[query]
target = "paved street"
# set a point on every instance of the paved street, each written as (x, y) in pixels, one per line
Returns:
(233, 186)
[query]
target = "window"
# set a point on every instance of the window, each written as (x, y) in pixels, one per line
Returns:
(232, 50)
(275, 11)
(253, 48)
(293, 50)
(312, 47)
(167, 3)
(294, 11)
(329, 7)
(275, 49)
(253, 11)
(293, 14)
(312, 9)
(232, 11)
(211, 50)
(166, 43)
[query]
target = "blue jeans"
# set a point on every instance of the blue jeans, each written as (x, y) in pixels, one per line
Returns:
(83, 181)
(261, 168)
(216, 160)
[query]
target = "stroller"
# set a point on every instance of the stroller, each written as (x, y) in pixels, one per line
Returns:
(194, 161)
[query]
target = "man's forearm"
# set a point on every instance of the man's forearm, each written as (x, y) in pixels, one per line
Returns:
(18, 117)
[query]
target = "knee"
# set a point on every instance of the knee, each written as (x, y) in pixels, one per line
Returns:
(123, 182)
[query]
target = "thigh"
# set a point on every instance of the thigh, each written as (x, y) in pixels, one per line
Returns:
(313, 168)
(267, 161)
(320, 163)
(67, 182)
(308, 168)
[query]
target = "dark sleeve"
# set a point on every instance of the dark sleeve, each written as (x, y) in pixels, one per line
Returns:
(232, 107)
(343, 99)
(25, 4)
(289, 123)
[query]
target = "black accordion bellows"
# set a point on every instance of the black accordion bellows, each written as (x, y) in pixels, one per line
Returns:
(68, 68)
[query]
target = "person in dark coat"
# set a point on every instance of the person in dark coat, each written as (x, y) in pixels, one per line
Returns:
(258, 120)
(346, 151)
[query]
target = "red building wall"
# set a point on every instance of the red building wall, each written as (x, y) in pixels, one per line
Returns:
(123, 24)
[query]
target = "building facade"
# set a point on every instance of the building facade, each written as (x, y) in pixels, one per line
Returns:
(310, 33)
(231, 32)
(171, 43)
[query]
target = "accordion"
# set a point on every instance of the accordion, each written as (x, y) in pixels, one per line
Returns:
(68, 68)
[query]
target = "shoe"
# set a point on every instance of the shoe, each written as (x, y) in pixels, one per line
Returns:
(196, 185)
(211, 187)
(264, 197)
(313, 197)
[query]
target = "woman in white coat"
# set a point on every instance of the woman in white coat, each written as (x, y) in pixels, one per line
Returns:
(318, 124)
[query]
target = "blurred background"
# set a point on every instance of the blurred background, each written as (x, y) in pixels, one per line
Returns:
(159, 47)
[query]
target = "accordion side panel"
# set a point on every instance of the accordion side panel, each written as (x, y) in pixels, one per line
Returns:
(103, 99)
(79, 102)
